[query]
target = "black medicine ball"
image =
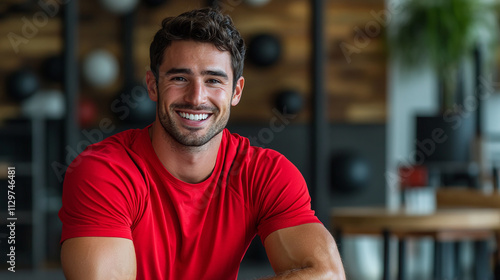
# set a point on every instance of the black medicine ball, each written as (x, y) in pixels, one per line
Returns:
(264, 50)
(349, 172)
(289, 102)
(22, 84)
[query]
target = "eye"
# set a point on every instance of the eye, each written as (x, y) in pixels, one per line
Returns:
(178, 79)
(213, 81)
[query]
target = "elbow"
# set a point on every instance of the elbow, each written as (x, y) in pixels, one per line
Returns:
(333, 275)
(334, 270)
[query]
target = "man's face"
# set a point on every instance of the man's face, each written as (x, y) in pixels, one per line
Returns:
(194, 91)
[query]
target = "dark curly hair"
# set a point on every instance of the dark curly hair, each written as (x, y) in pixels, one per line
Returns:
(201, 25)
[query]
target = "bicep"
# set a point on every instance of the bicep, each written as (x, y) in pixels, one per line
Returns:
(98, 258)
(301, 247)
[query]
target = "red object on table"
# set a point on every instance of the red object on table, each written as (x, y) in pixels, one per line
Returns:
(413, 176)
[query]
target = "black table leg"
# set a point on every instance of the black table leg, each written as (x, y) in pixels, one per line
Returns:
(437, 260)
(497, 272)
(402, 259)
(482, 269)
(496, 259)
(387, 257)
(457, 263)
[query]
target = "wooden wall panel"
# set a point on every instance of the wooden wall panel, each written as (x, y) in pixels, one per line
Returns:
(25, 39)
(356, 90)
(357, 65)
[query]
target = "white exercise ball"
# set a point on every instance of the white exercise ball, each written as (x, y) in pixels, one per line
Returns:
(100, 68)
(119, 6)
(46, 104)
(257, 3)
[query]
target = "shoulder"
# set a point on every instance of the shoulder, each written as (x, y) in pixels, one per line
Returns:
(260, 160)
(242, 147)
(106, 179)
(113, 155)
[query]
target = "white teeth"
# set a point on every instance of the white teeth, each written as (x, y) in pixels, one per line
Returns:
(194, 117)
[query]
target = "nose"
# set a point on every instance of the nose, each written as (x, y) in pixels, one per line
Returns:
(196, 94)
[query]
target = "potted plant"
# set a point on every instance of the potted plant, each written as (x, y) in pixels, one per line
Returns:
(441, 33)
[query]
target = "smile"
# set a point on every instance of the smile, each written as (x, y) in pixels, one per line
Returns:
(193, 117)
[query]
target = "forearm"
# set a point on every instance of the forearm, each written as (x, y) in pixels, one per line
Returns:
(304, 252)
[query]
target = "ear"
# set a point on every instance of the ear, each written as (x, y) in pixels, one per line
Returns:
(152, 88)
(238, 90)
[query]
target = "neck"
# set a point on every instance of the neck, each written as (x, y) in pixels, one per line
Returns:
(188, 164)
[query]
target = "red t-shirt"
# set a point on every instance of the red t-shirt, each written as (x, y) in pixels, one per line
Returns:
(119, 188)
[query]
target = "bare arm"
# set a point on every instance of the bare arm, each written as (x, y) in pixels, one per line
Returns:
(304, 252)
(96, 258)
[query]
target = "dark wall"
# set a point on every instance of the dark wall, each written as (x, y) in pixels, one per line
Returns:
(293, 141)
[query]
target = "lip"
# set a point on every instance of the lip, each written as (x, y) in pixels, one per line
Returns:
(194, 112)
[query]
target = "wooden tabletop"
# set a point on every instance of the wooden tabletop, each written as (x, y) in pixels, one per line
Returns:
(371, 220)
(466, 197)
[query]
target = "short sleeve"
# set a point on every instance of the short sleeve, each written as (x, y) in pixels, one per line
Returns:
(99, 197)
(285, 200)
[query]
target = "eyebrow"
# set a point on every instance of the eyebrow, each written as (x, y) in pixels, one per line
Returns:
(217, 73)
(188, 71)
(179, 71)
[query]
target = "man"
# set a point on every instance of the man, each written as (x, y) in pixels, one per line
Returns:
(183, 197)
